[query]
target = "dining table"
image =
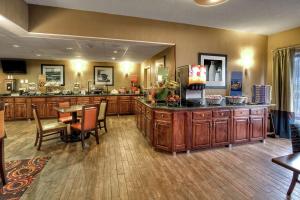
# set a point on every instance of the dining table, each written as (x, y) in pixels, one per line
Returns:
(73, 109)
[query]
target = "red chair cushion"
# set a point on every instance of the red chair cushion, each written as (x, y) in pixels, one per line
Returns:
(65, 119)
(76, 126)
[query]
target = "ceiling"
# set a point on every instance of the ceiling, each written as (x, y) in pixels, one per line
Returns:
(257, 16)
(22, 44)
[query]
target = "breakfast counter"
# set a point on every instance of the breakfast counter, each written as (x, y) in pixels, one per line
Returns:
(177, 129)
(19, 107)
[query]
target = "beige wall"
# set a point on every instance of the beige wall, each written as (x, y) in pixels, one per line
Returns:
(34, 69)
(16, 11)
(279, 40)
(189, 40)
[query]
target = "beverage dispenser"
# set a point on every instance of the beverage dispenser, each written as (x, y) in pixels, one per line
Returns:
(192, 79)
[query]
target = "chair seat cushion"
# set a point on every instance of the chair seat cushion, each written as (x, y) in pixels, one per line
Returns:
(53, 126)
(76, 126)
(65, 119)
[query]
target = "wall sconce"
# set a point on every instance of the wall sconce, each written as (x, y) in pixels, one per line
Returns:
(126, 67)
(79, 66)
(247, 59)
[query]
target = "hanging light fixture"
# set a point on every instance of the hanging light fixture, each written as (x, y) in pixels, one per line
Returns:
(207, 3)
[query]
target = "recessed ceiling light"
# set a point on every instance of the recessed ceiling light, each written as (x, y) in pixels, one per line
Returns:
(16, 46)
(115, 51)
(38, 55)
(113, 58)
(78, 56)
(69, 48)
(207, 3)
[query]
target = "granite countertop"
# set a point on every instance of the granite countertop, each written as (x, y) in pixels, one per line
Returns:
(69, 95)
(224, 106)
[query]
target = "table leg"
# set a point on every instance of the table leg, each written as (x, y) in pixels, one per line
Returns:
(293, 183)
(74, 117)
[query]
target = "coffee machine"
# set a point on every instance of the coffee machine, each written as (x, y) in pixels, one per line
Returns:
(192, 80)
(10, 85)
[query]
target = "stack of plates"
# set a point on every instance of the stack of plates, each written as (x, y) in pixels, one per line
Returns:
(262, 94)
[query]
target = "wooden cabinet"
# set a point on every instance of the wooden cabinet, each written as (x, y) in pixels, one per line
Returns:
(163, 135)
(201, 134)
(124, 105)
(240, 129)
(41, 106)
(50, 109)
(257, 128)
(20, 108)
(221, 132)
(112, 106)
(9, 109)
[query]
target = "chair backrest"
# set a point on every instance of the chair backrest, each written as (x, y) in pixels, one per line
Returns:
(2, 132)
(102, 109)
(295, 136)
(36, 117)
(89, 117)
(65, 104)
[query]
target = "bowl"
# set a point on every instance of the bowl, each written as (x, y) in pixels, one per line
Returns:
(236, 99)
(214, 99)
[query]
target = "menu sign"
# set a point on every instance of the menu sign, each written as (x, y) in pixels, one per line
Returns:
(197, 74)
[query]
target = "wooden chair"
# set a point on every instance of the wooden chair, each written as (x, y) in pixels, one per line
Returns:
(47, 130)
(88, 123)
(2, 135)
(295, 137)
(102, 114)
(64, 117)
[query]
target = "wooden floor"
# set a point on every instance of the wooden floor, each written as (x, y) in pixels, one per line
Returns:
(124, 166)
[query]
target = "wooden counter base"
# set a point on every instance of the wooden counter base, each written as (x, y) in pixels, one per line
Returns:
(203, 128)
(19, 108)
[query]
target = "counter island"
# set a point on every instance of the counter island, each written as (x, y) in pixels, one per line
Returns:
(179, 129)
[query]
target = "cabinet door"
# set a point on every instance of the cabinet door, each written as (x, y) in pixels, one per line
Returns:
(149, 130)
(163, 135)
(125, 107)
(112, 106)
(240, 129)
(20, 110)
(257, 128)
(221, 132)
(9, 111)
(50, 111)
(41, 109)
(201, 134)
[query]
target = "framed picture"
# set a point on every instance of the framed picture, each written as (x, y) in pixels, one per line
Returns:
(216, 69)
(160, 69)
(104, 75)
(54, 73)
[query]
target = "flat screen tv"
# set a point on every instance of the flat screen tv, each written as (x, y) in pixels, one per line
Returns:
(12, 66)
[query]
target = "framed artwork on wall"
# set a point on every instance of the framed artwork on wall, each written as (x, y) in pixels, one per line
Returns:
(104, 75)
(160, 69)
(216, 69)
(54, 73)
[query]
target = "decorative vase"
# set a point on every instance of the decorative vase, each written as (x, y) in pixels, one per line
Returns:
(212, 71)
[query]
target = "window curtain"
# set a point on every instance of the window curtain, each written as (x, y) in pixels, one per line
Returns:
(297, 87)
(283, 115)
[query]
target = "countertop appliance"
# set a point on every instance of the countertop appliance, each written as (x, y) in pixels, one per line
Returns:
(10, 85)
(192, 80)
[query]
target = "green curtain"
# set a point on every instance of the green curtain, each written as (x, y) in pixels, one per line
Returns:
(283, 90)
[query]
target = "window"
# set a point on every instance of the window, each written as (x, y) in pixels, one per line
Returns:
(297, 86)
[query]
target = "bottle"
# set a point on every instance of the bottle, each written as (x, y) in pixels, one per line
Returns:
(212, 71)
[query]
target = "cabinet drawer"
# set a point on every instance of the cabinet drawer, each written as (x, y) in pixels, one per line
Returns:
(126, 98)
(34, 100)
(257, 111)
(20, 100)
(110, 98)
(203, 115)
(241, 112)
(9, 100)
(164, 116)
(221, 113)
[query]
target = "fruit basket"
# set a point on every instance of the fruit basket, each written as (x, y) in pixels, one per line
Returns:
(236, 99)
(214, 99)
